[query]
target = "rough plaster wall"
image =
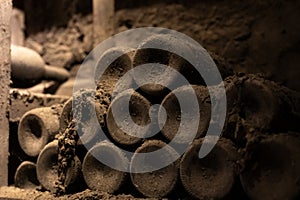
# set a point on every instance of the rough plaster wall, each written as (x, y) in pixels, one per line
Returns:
(253, 36)
(5, 13)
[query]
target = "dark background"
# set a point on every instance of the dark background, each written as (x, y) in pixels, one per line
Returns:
(252, 36)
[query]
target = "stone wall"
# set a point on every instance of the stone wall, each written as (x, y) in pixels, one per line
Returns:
(5, 14)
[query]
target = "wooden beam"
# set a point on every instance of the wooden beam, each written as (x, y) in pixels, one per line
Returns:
(103, 13)
(5, 15)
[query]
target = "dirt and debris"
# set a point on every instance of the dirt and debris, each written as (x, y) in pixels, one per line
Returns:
(64, 46)
(68, 138)
(67, 142)
(17, 193)
(253, 36)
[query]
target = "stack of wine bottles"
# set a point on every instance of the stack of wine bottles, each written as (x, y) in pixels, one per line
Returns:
(257, 156)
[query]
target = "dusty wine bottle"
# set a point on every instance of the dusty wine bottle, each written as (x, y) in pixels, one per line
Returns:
(159, 49)
(104, 167)
(174, 111)
(25, 176)
(47, 169)
(37, 127)
(272, 168)
(28, 68)
(88, 113)
(213, 176)
(262, 104)
(155, 183)
(134, 121)
(147, 53)
(118, 60)
(269, 105)
(112, 74)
